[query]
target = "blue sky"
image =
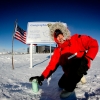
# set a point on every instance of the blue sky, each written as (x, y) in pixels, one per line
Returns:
(81, 16)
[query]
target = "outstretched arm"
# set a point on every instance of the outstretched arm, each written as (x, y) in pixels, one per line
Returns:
(53, 64)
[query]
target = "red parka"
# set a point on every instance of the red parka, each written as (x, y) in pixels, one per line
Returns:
(80, 44)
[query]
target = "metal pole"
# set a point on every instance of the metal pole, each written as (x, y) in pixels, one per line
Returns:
(15, 25)
(12, 53)
(31, 55)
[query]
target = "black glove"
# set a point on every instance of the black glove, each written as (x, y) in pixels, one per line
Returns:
(83, 67)
(39, 79)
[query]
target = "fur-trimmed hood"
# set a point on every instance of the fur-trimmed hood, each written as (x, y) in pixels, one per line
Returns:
(60, 26)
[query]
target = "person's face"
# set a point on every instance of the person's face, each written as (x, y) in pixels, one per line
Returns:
(60, 38)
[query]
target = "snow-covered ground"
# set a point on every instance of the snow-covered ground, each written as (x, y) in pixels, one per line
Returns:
(15, 85)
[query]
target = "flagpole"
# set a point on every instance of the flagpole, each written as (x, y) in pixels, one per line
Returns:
(13, 43)
(12, 52)
(31, 55)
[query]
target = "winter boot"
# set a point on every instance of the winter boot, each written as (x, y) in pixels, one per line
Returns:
(83, 80)
(65, 94)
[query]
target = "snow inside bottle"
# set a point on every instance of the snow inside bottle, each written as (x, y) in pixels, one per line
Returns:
(35, 87)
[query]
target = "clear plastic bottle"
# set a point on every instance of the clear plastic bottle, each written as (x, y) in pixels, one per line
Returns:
(35, 87)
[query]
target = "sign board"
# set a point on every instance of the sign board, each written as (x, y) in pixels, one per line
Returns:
(38, 33)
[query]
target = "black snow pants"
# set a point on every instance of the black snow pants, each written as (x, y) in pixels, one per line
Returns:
(77, 70)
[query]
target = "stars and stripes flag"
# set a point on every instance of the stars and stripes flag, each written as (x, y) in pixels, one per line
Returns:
(20, 34)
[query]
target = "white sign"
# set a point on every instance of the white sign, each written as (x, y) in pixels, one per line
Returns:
(38, 33)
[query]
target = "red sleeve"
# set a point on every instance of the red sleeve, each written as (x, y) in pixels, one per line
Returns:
(91, 45)
(52, 64)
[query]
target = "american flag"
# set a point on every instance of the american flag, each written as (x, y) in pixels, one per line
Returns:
(20, 34)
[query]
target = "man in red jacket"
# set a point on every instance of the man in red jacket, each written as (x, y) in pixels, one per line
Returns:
(73, 53)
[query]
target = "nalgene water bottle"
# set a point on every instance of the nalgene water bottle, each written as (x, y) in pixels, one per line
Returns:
(35, 87)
